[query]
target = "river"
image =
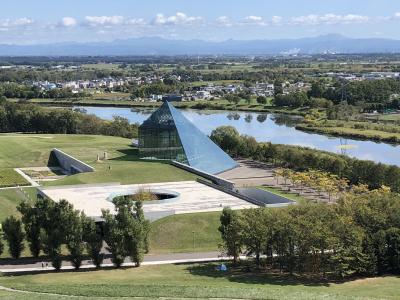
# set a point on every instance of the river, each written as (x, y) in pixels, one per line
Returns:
(274, 128)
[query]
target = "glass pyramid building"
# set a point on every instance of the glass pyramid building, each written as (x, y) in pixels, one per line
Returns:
(167, 134)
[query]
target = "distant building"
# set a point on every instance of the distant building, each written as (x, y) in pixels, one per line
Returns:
(172, 98)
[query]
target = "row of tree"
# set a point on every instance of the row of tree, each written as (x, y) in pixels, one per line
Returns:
(300, 99)
(22, 91)
(298, 158)
(358, 236)
(368, 93)
(319, 181)
(47, 226)
(19, 117)
(43, 73)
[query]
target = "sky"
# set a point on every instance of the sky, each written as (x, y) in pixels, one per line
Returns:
(54, 21)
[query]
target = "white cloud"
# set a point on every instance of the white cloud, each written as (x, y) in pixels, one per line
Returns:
(178, 19)
(224, 21)
(113, 21)
(15, 22)
(104, 20)
(7, 24)
(329, 19)
(134, 21)
(68, 22)
(256, 20)
(397, 15)
(276, 20)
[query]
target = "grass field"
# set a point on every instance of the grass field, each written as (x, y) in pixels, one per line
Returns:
(112, 96)
(10, 178)
(10, 198)
(198, 281)
(101, 66)
(34, 150)
(391, 117)
(215, 104)
(186, 233)
(291, 196)
(368, 134)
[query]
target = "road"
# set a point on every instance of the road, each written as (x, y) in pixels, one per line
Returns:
(35, 266)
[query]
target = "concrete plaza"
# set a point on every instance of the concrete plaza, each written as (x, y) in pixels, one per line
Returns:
(194, 197)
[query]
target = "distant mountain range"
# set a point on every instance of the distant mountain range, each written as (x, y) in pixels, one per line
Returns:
(331, 43)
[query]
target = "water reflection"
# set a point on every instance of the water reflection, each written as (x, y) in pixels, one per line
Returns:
(276, 128)
(248, 118)
(233, 116)
(286, 120)
(262, 118)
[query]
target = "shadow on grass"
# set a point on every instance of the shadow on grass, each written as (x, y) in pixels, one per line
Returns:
(132, 154)
(244, 274)
(52, 271)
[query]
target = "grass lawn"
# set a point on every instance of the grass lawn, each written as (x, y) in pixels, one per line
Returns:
(112, 96)
(367, 134)
(197, 281)
(33, 150)
(10, 178)
(10, 198)
(391, 117)
(175, 233)
(101, 66)
(291, 196)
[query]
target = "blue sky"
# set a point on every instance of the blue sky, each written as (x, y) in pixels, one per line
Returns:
(43, 21)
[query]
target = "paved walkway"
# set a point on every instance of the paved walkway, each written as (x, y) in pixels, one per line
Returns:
(159, 259)
(194, 197)
(253, 173)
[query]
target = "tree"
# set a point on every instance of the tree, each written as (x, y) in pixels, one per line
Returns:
(279, 172)
(74, 239)
(262, 100)
(31, 218)
(140, 228)
(393, 249)
(114, 237)
(94, 240)
(14, 236)
(283, 240)
(227, 137)
(127, 231)
(317, 90)
(231, 234)
(255, 233)
(1, 242)
(278, 87)
(233, 98)
(59, 223)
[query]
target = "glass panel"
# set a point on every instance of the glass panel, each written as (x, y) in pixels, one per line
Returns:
(167, 134)
(201, 152)
(158, 137)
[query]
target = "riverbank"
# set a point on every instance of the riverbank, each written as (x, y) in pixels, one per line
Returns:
(200, 105)
(354, 133)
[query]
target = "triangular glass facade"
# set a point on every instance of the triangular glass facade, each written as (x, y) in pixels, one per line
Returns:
(167, 134)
